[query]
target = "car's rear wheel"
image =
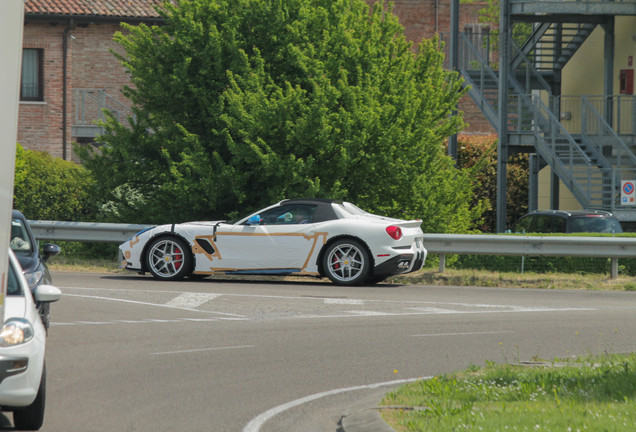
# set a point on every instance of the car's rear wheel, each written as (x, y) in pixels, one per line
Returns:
(169, 258)
(32, 417)
(346, 262)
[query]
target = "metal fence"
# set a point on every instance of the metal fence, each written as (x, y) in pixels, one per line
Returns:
(441, 244)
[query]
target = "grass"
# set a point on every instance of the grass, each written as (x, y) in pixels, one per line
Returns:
(593, 394)
(427, 276)
(65, 263)
(484, 278)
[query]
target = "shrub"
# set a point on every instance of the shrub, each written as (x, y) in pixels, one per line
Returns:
(49, 188)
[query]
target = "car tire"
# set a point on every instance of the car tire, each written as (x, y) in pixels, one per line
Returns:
(32, 417)
(169, 258)
(346, 262)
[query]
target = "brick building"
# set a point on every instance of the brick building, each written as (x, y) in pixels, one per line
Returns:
(69, 72)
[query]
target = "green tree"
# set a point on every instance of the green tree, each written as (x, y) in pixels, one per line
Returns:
(240, 103)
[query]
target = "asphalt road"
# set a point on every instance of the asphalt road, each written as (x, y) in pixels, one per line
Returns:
(127, 353)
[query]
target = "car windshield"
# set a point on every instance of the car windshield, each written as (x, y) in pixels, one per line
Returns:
(20, 237)
(595, 224)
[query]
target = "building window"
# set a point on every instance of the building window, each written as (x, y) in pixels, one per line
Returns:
(32, 87)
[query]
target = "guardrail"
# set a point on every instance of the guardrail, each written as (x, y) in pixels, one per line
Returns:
(85, 231)
(442, 244)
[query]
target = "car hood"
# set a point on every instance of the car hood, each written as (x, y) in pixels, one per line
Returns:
(28, 261)
(15, 307)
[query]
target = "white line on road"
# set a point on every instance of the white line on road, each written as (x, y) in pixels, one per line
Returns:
(257, 422)
(191, 300)
(142, 321)
(461, 334)
(339, 301)
(203, 350)
(151, 304)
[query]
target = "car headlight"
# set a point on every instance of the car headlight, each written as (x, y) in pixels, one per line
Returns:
(33, 278)
(15, 331)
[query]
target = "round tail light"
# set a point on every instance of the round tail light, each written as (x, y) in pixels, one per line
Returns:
(394, 231)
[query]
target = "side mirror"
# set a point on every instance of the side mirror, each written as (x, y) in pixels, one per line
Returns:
(47, 293)
(254, 220)
(50, 250)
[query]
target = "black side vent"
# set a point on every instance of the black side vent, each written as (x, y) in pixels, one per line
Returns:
(205, 245)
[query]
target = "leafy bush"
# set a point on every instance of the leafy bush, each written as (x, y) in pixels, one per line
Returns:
(49, 188)
(478, 155)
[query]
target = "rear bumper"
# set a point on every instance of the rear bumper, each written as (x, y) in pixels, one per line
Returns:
(402, 263)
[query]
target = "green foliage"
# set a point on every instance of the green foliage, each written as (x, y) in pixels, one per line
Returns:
(478, 154)
(579, 265)
(586, 394)
(49, 188)
(241, 103)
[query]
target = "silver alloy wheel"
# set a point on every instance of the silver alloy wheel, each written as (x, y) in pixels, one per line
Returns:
(166, 258)
(346, 262)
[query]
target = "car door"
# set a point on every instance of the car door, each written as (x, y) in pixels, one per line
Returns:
(282, 238)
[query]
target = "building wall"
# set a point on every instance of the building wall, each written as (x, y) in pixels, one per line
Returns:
(40, 123)
(90, 65)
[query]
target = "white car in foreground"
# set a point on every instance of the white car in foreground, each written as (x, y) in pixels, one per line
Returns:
(313, 237)
(22, 347)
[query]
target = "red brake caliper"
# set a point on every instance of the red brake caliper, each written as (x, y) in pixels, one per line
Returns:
(178, 258)
(335, 261)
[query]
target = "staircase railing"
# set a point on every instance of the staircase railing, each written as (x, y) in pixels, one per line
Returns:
(585, 178)
(594, 126)
(622, 108)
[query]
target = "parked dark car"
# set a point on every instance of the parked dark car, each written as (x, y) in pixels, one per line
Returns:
(568, 221)
(27, 250)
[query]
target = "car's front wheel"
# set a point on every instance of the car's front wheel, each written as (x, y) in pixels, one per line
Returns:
(32, 417)
(346, 262)
(169, 258)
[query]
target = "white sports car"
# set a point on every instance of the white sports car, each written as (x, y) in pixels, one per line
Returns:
(22, 347)
(313, 237)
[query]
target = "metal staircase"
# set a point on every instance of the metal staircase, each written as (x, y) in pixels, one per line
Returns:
(592, 162)
(551, 45)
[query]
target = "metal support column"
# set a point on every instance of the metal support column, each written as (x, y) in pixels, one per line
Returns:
(608, 75)
(505, 38)
(454, 63)
(533, 182)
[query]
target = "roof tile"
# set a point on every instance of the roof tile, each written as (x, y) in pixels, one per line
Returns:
(106, 8)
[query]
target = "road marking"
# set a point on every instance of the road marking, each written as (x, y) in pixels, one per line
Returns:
(191, 300)
(204, 349)
(145, 321)
(461, 334)
(370, 313)
(434, 310)
(257, 422)
(152, 304)
(511, 309)
(341, 301)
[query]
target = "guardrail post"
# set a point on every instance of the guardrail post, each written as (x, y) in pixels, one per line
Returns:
(614, 274)
(442, 263)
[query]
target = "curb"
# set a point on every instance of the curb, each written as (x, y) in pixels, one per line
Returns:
(368, 420)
